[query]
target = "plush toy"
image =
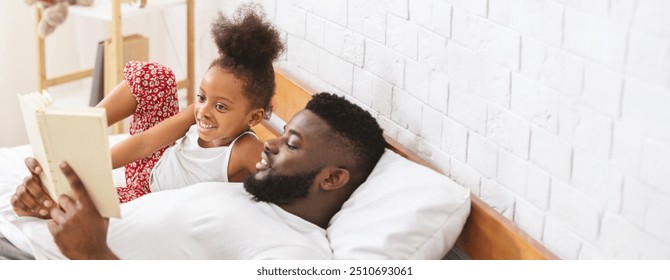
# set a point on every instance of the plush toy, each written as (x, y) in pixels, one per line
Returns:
(54, 13)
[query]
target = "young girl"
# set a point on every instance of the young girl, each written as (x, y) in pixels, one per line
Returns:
(216, 143)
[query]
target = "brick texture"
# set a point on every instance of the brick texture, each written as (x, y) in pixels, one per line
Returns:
(553, 111)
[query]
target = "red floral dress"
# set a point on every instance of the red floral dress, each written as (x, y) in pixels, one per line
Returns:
(155, 89)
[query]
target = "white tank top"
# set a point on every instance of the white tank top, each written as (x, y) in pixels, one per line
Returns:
(186, 163)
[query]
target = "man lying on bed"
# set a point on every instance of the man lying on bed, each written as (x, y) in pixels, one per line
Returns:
(304, 177)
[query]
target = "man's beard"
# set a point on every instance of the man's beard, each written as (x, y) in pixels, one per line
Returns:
(280, 189)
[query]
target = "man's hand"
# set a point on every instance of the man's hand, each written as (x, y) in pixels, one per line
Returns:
(30, 198)
(77, 227)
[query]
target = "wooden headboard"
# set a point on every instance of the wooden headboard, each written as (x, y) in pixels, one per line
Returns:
(487, 235)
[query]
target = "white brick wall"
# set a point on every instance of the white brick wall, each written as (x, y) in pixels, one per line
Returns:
(291, 19)
(568, 117)
(529, 218)
(580, 213)
(477, 76)
(648, 58)
(303, 54)
(435, 156)
(417, 80)
(344, 43)
(622, 240)
(603, 89)
(591, 36)
(512, 172)
(467, 109)
(593, 132)
(637, 198)
(551, 153)
(499, 198)
(465, 176)
(478, 7)
(432, 15)
(402, 36)
(554, 111)
(645, 207)
(340, 73)
(559, 239)
(658, 224)
(333, 11)
(597, 179)
(454, 138)
(552, 67)
(367, 18)
(508, 130)
(538, 19)
(590, 252)
(487, 38)
(528, 182)
(646, 107)
(431, 129)
(406, 111)
(535, 102)
(482, 155)
(384, 62)
(655, 162)
(438, 92)
(314, 30)
(598, 7)
(538, 187)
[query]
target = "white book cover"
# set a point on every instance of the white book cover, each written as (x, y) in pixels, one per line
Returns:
(77, 136)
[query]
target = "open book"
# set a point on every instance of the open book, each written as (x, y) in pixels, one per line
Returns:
(77, 136)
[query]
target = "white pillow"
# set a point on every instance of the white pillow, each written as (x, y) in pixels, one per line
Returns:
(403, 211)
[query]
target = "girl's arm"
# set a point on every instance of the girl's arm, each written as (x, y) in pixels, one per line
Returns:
(246, 153)
(143, 144)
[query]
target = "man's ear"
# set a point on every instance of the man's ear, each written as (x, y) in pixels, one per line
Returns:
(335, 178)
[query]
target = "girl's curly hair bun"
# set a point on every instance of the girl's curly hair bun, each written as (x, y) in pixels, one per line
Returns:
(249, 39)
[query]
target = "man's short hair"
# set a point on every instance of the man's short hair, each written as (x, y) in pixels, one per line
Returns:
(358, 131)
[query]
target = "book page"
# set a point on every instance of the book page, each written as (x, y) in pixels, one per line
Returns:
(31, 103)
(80, 138)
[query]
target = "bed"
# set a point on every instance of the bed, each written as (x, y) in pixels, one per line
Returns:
(438, 218)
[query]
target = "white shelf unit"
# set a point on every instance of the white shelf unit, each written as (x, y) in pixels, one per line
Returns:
(101, 8)
(114, 11)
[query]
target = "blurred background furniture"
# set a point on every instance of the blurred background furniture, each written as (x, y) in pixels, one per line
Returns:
(115, 49)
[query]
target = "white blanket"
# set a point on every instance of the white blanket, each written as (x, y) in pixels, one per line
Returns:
(204, 221)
